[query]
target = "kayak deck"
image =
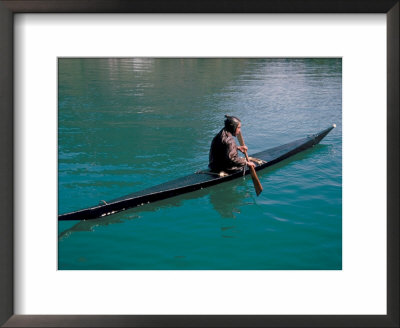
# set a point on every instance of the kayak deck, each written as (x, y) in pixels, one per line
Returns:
(193, 181)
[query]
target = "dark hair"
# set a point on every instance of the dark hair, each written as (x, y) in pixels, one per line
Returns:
(231, 123)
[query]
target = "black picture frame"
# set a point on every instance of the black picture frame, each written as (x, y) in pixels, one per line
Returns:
(10, 7)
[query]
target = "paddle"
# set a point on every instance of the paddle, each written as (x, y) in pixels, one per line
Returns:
(257, 185)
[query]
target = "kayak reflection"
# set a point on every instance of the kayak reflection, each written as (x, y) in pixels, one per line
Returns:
(130, 214)
(226, 200)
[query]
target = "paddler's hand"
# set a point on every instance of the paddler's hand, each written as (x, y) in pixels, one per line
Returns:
(250, 163)
(243, 149)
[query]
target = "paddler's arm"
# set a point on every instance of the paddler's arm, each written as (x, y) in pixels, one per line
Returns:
(233, 155)
(243, 149)
(250, 163)
(232, 158)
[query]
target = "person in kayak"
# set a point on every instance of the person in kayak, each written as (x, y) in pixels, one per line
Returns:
(224, 151)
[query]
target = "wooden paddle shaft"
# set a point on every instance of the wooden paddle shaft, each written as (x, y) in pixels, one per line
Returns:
(257, 184)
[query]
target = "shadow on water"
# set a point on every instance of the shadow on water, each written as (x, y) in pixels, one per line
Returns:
(226, 199)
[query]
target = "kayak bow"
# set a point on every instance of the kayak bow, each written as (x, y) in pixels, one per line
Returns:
(193, 182)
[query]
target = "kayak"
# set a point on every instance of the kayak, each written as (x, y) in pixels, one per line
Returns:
(195, 181)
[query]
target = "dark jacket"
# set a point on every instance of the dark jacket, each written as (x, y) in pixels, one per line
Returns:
(224, 153)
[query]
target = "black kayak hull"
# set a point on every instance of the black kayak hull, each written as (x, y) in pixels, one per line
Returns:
(193, 182)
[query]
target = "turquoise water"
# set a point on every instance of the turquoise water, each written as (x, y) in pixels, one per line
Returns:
(125, 124)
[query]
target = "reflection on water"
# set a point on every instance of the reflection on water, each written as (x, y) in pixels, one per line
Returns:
(227, 202)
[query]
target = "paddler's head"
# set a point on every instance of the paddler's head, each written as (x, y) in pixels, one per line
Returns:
(232, 125)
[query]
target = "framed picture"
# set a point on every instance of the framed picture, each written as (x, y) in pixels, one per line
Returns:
(212, 294)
